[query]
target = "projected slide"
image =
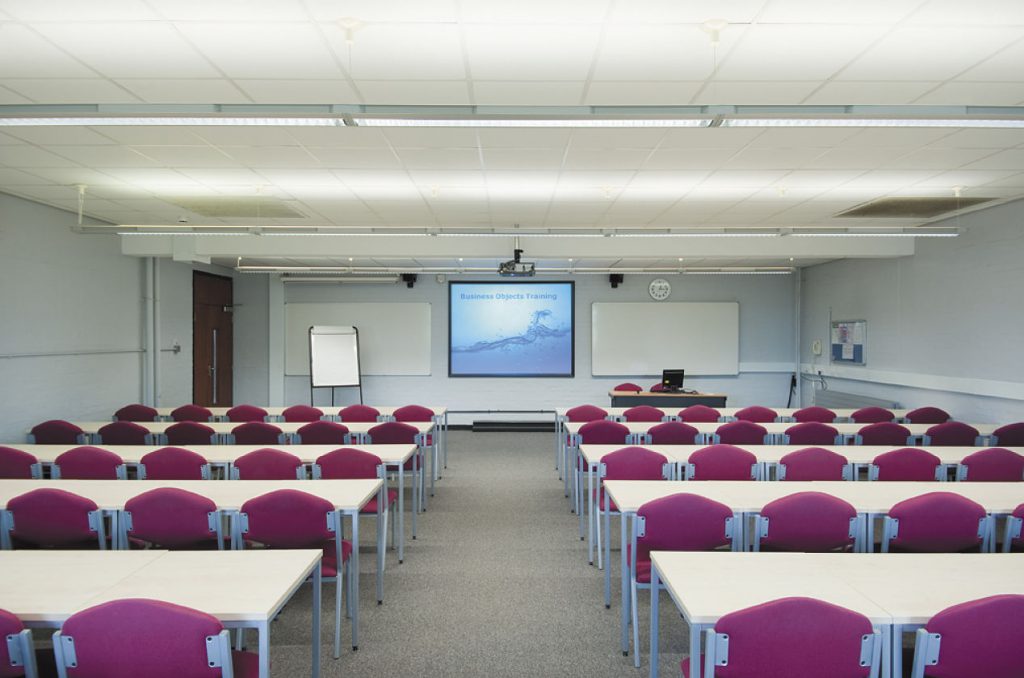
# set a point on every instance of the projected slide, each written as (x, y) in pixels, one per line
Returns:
(510, 329)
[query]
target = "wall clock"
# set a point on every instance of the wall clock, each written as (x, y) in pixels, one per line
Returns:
(659, 289)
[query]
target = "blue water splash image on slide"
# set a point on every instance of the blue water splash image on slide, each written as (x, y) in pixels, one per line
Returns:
(537, 331)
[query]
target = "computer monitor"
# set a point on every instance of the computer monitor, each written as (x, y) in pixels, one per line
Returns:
(672, 380)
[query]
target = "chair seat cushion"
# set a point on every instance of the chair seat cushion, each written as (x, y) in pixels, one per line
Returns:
(685, 666)
(371, 506)
(329, 565)
(418, 458)
(245, 664)
(643, 567)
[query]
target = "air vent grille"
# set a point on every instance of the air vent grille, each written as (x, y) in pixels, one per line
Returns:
(238, 207)
(910, 208)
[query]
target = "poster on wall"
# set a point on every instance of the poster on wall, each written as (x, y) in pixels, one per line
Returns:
(848, 341)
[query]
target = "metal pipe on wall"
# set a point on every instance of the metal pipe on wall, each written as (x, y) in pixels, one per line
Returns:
(156, 332)
(149, 357)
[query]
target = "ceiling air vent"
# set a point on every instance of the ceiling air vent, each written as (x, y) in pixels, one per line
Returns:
(910, 208)
(238, 207)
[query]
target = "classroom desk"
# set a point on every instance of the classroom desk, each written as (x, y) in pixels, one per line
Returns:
(892, 590)
(243, 589)
(347, 497)
(665, 399)
(572, 428)
(745, 498)
(392, 456)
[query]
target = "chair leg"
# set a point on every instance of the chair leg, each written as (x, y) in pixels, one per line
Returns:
(636, 625)
(337, 612)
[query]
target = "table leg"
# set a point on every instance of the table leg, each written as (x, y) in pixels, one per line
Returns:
(317, 591)
(590, 522)
(607, 554)
(654, 623)
(382, 543)
(896, 651)
(695, 633)
(626, 600)
(354, 600)
(401, 513)
(263, 629)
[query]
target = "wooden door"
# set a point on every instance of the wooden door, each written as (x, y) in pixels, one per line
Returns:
(212, 340)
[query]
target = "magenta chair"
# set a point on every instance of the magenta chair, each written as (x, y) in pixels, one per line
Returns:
(290, 519)
(1012, 537)
(17, 652)
(136, 413)
(791, 637)
(268, 464)
(722, 462)
(906, 463)
(699, 414)
(678, 522)
(398, 433)
(189, 433)
(953, 434)
(1011, 435)
(580, 413)
(883, 433)
(757, 414)
(420, 414)
(814, 463)
(88, 463)
(174, 463)
(56, 432)
(628, 386)
(978, 638)
(629, 463)
(872, 415)
(927, 415)
(244, 413)
(359, 413)
(822, 415)
(741, 433)
(48, 518)
(657, 388)
(153, 638)
(256, 433)
(192, 412)
(643, 413)
(673, 433)
(601, 432)
(171, 518)
(811, 433)
(936, 522)
(301, 413)
(809, 522)
(995, 464)
(123, 433)
(322, 433)
(17, 464)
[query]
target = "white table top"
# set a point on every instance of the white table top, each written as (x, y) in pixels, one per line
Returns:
(573, 427)
(866, 497)
(856, 454)
(386, 410)
(223, 454)
(227, 426)
(728, 411)
(348, 496)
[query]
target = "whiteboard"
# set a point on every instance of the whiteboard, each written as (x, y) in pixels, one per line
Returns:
(394, 339)
(333, 356)
(640, 339)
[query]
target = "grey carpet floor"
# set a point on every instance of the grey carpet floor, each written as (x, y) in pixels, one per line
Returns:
(496, 584)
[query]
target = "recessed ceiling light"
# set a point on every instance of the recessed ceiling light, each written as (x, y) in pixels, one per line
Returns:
(532, 122)
(873, 122)
(159, 121)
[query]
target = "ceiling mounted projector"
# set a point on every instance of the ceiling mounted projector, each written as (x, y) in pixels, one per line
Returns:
(516, 268)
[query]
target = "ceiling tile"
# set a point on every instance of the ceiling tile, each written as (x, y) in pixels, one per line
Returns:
(286, 50)
(103, 156)
(868, 93)
(8, 96)
(1001, 67)
(355, 158)
(46, 60)
(271, 156)
(149, 135)
(795, 52)
(938, 158)
(451, 158)
(692, 12)
(772, 158)
(683, 159)
(1012, 159)
(285, 91)
(29, 156)
(12, 177)
(230, 11)
(173, 91)
(245, 135)
(408, 92)
(982, 138)
(95, 10)
(719, 137)
(815, 12)
(69, 176)
(60, 135)
(511, 93)
(392, 11)
(187, 156)
(585, 158)
(531, 52)
(233, 177)
(434, 137)
(534, 11)
(657, 51)
(623, 93)
(65, 91)
(755, 92)
(525, 158)
(428, 52)
(956, 13)
(974, 94)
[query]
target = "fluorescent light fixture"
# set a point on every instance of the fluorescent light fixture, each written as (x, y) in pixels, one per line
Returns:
(160, 121)
(346, 279)
(737, 271)
(874, 122)
(875, 234)
(532, 122)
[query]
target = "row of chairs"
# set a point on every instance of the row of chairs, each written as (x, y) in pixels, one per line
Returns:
(244, 413)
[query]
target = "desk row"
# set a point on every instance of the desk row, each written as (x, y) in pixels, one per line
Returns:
(294, 413)
(756, 413)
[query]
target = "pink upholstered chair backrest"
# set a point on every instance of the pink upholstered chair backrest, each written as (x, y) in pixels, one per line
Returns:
(171, 518)
(643, 413)
(348, 462)
(1011, 435)
(634, 463)
(699, 414)
(191, 412)
(884, 433)
(822, 415)
(16, 463)
(792, 637)
(757, 414)
(994, 464)
(905, 463)
(89, 463)
(682, 522)
(585, 413)
(267, 464)
(359, 413)
(140, 637)
(927, 415)
(722, 462)
(937, 522)
(288, 519)
(50, 517)
(244, 413)
(416, 413)
(871, 415)
(952, 433)
(629, 386)
(10, 625)
(123, 433)
(981, 637)
(174, 463)
(603, 432)
(323, 433)
(392, 433)
(812, 463)
(813, 522)
(56, 432)
(673, 433)
(189, 433)
(256, 433)
(741, 433)
(812, 433)
(301, 413)
(136, 413)
(657, 388)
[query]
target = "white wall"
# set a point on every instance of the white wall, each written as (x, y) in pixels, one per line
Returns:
(944, 326)
(766, 345)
